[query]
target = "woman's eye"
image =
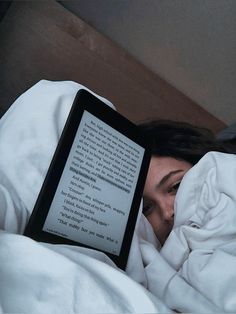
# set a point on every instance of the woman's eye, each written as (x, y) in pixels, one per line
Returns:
(174, 188)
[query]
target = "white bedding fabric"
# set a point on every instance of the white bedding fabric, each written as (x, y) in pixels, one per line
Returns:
(199, 257)
(195, 271)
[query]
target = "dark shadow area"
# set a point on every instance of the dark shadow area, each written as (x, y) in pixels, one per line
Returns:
(4, 6)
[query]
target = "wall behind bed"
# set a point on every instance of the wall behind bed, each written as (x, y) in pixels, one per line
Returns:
(42, 40)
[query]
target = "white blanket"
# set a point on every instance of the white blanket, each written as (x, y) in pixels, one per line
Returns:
(196, 267)
(194, 271)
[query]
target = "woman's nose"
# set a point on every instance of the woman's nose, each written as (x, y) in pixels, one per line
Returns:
(168, 214)
(167, 211)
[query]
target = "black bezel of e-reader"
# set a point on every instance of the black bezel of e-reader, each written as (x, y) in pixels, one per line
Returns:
(84, 100)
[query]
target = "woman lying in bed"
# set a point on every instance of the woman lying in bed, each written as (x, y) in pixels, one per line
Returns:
(195, 268)
(197, 226)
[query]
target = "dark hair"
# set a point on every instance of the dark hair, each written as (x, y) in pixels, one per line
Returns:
(180, 140)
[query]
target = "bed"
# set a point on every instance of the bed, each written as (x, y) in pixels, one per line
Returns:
(187, 274)
(46, 54)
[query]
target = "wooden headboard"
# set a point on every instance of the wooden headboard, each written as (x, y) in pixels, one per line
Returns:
(43, 40)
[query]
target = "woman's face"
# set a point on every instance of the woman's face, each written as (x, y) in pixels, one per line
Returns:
(163, 179)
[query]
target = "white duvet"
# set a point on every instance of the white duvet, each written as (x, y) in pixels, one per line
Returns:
(195, 271)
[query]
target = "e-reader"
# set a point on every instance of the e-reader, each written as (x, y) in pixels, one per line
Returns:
(93, 188)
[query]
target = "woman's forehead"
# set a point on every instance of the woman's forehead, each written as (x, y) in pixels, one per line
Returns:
(168, 163)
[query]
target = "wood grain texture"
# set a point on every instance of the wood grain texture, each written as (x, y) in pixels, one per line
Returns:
(42, 40)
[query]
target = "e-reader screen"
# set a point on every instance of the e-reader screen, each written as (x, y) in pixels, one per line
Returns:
(99, 185)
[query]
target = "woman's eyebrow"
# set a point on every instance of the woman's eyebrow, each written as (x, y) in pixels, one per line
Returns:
(169, 175)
